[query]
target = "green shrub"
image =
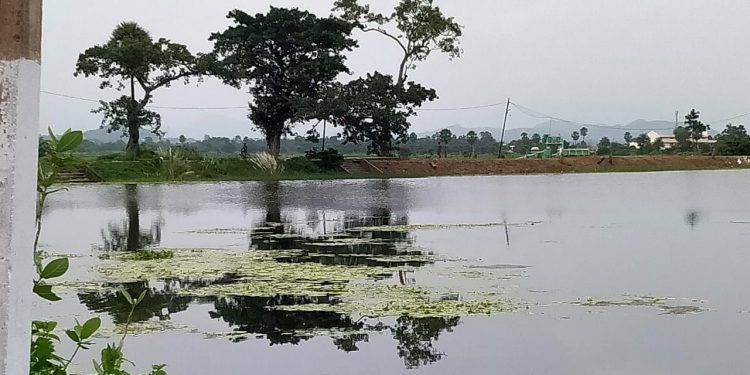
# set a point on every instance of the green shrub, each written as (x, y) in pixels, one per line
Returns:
(329, 160)
(189, 152)
(300, 164)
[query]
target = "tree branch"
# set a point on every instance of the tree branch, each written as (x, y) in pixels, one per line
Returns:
(400, 44)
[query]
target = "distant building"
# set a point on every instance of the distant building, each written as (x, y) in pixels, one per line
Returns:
(669, 140)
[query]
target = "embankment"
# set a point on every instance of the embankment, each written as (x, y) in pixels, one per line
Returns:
(591, 164)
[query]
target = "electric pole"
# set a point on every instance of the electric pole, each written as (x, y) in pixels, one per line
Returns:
(20, 71)
(502, 134)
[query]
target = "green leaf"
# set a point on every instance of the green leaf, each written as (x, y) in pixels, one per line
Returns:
(73, 335)
(69, 141)
(127, 296)
(45, 291)
(55, 268)
(140, 298)
(52, 135)
(90, 327)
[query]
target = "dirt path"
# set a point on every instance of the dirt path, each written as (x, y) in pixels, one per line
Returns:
(446, 167)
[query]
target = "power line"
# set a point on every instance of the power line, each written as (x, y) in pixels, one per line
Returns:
(151, 106)
(245, 107)
(731, 118)
(462, 108)
(527, 111)
(536, 114)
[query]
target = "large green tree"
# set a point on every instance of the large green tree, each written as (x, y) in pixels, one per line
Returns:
(287, 57)
(418, 27)
(378, 111)
(134, 63)
(695, 127)
(734, 140)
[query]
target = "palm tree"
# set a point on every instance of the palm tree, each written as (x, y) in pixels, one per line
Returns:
(472, 138)
(575, 137)
(445, 136)
(584, 133)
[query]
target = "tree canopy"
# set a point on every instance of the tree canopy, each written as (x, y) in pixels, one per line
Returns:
(418, 27)
(132, 60)
(287, 57)
(378, 111)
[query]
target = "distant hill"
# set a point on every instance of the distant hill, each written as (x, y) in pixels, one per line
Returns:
(101, 136)
(565, 129)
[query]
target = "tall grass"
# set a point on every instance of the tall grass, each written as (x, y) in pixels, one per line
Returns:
(174, 165)
(266, 164)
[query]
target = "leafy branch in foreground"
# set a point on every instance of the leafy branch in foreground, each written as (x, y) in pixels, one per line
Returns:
(44, 359)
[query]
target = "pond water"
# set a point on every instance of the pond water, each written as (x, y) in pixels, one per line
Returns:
(565, 274)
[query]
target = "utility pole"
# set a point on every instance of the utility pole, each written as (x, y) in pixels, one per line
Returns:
(20, 70)
(676, 119)
(502, 134)
(324, 135)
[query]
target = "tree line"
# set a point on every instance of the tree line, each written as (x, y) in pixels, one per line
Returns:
(290, 60)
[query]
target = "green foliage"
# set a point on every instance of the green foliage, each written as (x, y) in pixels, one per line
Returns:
(55, 268)
(445, 136)
(628, 138)
(287, 57)
(584, 133)
(682, 136)
(694, 126)
(132, 58)
(417, 26)
(733, 140)
(43, 353)
(329, 160)
(300, 164)
(44, 360)
(378, 111)
(575, 136)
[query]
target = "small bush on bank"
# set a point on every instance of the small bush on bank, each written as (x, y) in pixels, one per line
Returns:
(328, 160)
(300, 164)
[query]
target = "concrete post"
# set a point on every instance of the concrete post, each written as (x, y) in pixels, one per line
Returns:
(20, 58)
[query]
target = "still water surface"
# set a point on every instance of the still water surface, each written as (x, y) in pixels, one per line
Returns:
(607, 273)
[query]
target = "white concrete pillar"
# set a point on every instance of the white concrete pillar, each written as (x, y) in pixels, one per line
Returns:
(20, 57)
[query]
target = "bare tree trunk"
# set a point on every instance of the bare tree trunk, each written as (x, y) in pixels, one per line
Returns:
(133, 127)
(133, 141)
(273, 143)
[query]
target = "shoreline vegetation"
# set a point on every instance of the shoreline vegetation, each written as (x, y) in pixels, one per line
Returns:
(236, 169)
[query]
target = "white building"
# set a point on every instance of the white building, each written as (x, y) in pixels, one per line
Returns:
(669, 140)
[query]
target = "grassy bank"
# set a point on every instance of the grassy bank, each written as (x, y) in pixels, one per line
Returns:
(235, 169)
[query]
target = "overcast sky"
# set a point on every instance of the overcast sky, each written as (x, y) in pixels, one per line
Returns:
(595, 61)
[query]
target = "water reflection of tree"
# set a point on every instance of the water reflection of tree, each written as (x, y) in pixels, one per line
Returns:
(256, 315)
(156, 304)
(416, 337)
(366, 248)
(127, 235)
